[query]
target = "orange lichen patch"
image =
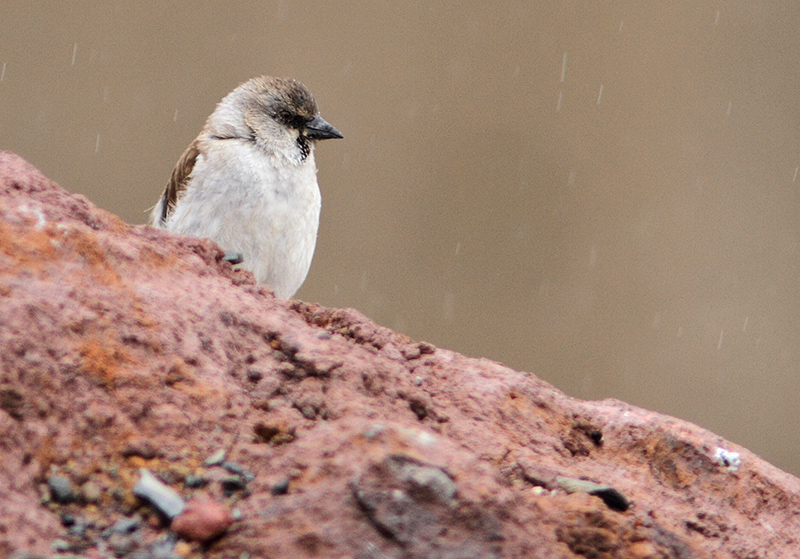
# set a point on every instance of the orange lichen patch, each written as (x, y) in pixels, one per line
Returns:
(88, 247)
(143, 318)
(139, 462)
(179, 372)
(102, 360)
(28, 247)
(156, 257)
(45, 455)
(518, 406)
(201, 393)
(137, 379)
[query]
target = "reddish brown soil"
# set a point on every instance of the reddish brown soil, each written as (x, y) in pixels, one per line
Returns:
(124, 348)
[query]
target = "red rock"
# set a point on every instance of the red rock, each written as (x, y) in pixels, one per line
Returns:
(392, 448)
(202, 520)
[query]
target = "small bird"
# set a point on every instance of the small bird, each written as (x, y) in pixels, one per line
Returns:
(249, 181)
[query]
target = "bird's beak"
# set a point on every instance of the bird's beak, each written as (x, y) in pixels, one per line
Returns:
(321, 129)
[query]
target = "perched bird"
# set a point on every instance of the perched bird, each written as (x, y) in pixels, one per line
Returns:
(249, 181)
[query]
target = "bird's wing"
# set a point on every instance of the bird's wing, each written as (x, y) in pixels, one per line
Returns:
(177, 183)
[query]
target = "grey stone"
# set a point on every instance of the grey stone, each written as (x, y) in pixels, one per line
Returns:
(163, 498)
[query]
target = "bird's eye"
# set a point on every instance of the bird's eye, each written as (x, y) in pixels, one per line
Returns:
(285, 115)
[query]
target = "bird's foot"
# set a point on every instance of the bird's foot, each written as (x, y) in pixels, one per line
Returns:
(233, 257)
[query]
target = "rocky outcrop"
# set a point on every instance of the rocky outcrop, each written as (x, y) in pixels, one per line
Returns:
(286, 429)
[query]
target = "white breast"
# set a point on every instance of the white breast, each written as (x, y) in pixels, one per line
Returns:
(256, 204)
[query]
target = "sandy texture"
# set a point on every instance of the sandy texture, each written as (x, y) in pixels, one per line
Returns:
(125, 347)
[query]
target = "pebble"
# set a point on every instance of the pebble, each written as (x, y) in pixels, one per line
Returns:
(126, 525)
(121, 544)
(215, 459)
(233, 467)
(610, 496)
(295, 473)
(91, 492)
(163, 498)
(60, 545)
(194, 481)
(280, 488)
(374, 431)
(231, 484)
(78, 529)
(238, 469)
(202, 520)
(60, 489)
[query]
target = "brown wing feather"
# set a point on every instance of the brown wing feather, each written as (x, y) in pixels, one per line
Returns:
(180, 177)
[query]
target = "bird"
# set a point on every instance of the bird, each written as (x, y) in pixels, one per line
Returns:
(249, 181)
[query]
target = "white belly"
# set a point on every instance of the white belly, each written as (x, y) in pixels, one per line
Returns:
(266, 209)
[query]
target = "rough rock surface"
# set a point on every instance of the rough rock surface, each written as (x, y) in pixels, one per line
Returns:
(124, 348)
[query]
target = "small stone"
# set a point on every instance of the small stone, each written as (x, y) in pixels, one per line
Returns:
(78, 529)
(295, 473)
(610, 496)
(231, 484)
(121, 544)
(67, 519)
(60, 545)
(233, 467)
(237, 514)
(202, 520)
(60, 489)
(240, 470)
(374, 431)
(308, 412)
(91, 492)
(194, 481)
(163, 498)
(426, 480)
(126, 525)
(280, 488)
(215, 459)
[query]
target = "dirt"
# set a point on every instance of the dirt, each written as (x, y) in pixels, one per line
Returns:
(123, 347)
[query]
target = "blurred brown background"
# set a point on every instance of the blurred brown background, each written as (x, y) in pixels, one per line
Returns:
(603, 193)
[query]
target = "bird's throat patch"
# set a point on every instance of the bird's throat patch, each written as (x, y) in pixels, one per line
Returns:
(304, 145)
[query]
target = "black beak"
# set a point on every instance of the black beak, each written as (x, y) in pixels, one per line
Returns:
(321, 129)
